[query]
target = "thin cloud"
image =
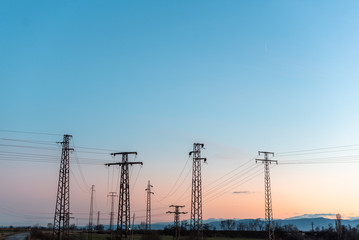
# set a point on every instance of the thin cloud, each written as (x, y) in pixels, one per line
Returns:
(242, 192)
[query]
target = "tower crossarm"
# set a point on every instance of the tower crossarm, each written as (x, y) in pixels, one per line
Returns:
(123, 163)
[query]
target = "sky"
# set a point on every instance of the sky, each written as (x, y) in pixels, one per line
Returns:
(157, 76)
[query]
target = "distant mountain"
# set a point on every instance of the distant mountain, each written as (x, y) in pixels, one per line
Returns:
(303, 223)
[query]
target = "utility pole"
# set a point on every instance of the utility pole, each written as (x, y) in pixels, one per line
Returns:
(268, 194)
(196, 197)
(98, 218)
(62, 209)
(91, 214)
(123, 217)
(148, 207)
(176, 220)
(112, 213)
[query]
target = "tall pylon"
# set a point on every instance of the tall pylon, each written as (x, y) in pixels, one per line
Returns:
(91, 213)
(176, 219)
(62, 209)
(148, 206)
(268, 194)
(112, 213)
(123, 216)
(196, 197)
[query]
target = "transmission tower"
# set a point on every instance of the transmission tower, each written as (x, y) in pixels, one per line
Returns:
(268, 194)
(338, 225)
(148, 207)
(98, 218)
(112, 213)
(176, 220)
(123, 217)
(62, 209)
(91, 214)
(196, 197)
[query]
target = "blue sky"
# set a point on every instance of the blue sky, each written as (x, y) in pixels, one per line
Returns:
(156, 76)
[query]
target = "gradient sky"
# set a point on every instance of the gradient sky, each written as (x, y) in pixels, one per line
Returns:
(156, 76)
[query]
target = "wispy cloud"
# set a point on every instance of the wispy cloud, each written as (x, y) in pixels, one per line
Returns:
(242, 192)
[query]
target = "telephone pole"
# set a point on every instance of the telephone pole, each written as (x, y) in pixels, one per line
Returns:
(176, 220)
(62, 209)
(91, 214)
(112, 213)
(268, 194)
(123, 216)
(148, 207)
(196, 197)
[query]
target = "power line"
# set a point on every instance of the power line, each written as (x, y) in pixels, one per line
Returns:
(238, 182)
(170, 193)
(79, 167)
(36, 133)
(223, 183)
(317, 149)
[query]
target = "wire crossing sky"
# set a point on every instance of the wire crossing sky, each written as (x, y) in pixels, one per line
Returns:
(156, 76)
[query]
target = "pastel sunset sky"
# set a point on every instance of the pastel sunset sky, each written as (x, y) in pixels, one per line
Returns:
(157, 76)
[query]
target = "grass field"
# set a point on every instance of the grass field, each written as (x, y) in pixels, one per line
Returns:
(95, 236)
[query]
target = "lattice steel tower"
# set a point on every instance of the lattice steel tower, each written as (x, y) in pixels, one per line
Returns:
(148, 207)
(124, 217)
(176, 220)
(62, 209)
(196, 197)
(268, 194)
(90, 229)
(112, 213)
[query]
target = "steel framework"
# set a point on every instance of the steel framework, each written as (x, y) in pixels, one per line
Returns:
(112, 213)
(176, 220)
(62, 209)
(123, 216)
(90, 229)
(196, 196)
(268, 194)
(148, 206)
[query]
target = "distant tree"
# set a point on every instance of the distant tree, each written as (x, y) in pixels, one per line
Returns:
(184, 225)
(252, 225)
(290, 228)
(141, 226)
(241, 226)
(228, 224)
(330, 227)
(73, 227)
(260, 224)
(99, 227)
(50, 225)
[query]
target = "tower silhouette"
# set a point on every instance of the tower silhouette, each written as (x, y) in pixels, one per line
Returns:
(196, 197)
(123, 216)
(268, 194)
(148, 206)
(112, 213)
(62, 209)
(176, 220)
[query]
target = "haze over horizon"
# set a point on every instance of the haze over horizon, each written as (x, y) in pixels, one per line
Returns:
(157, 76)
